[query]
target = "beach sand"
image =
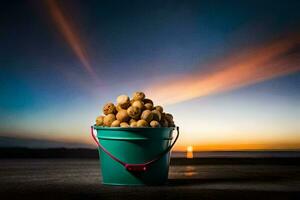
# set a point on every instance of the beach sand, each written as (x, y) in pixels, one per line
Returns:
(77, 179)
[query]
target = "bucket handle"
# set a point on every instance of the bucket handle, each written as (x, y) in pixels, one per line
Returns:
(136, 167)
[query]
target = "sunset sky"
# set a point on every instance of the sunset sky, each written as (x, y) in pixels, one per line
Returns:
(228, 71)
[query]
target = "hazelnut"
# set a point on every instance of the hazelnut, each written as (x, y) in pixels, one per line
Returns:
(156, 115)
(138, 104)
(163, 116)
(142, 123)
(109, 108)
(131, 121)
(154, 124)
(169, 118)
(122, 116)
(124, 124)
(147, 115)
(108, 119)
(115, 123)
(148, 101)
(133, 124)
(118, 108)
(164, 123)
(99, 121)
(148, 106)
(138, 96)
(123, 101)
(134, 112)
(159, 108)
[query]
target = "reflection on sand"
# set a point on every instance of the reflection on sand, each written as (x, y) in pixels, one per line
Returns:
(190, 171)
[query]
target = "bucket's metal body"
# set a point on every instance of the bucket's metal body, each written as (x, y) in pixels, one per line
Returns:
(134, 145)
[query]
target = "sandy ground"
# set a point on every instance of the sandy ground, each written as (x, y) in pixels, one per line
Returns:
(78, 179)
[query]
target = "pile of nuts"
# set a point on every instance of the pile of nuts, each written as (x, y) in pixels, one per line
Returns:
(136, 112)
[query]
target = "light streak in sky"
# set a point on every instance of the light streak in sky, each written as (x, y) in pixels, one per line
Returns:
(70, 35)
(240, 69)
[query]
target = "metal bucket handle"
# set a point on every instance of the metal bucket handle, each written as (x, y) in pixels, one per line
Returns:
(135, 167)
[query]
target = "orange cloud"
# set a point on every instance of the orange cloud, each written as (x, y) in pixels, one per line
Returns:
(70, 35)
(240, 69)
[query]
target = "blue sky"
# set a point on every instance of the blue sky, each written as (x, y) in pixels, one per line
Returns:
(46, 93)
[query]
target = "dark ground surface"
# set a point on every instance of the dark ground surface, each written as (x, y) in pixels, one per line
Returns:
(78, 179)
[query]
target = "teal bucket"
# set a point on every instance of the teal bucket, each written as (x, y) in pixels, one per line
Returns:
(134, 156)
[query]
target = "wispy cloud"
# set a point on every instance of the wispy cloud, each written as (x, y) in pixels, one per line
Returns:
(70, 34)
(242, 68)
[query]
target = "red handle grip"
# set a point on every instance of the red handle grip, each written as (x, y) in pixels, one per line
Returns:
(136, 167)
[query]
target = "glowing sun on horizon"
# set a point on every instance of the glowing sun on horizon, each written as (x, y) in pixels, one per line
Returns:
(189, 152)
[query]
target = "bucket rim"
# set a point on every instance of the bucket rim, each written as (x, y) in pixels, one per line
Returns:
(131, 128)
